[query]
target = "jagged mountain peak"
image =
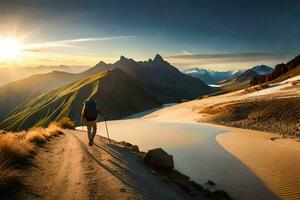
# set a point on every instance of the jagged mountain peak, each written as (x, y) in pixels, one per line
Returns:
(124, 59)
(101, 63)
(158, 58)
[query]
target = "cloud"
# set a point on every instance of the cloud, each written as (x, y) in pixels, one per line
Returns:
(256, 55)
(229, 60)
(68, 43)
(186, 52)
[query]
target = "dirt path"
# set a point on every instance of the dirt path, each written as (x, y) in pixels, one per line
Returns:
(67, 168)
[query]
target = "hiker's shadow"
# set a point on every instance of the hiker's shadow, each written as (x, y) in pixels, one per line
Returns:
(119, 176)
(114, 155)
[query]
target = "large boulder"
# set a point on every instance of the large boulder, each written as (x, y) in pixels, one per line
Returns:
(159, 159)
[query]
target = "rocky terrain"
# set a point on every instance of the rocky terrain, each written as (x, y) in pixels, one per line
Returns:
(289, 70)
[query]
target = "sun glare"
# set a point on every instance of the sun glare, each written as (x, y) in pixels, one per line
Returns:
(10, 48)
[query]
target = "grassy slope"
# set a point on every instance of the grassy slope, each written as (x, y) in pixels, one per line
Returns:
(18, 92)
(117, 92)
(49, 106)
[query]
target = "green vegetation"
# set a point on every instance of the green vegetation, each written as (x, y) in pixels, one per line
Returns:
(51, 106)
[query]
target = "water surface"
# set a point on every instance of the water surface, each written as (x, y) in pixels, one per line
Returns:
(196, 153)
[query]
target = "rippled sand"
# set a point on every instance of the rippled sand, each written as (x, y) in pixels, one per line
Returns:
(276, 162)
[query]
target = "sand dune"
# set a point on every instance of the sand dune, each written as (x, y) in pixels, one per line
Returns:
(275, 162)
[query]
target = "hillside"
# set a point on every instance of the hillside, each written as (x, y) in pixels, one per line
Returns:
(18, 92)
(117, 93)
(281, 72)
(161, 79)
(9, 74)
(253, 72)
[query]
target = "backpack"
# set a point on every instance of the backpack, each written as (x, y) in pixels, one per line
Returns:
(90, 110)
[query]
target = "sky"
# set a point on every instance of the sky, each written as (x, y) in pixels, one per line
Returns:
(214, 34)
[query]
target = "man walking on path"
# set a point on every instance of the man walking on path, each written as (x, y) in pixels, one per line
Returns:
(89, 113)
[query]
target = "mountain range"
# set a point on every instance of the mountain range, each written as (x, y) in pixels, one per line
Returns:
(38, 99)
(161, 79)
(212, 77)
(253, 72)
(9, 74)
(228, 77)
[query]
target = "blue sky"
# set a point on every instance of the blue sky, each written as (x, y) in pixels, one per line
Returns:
(182, 31)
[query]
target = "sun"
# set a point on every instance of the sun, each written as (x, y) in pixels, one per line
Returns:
(10, 48)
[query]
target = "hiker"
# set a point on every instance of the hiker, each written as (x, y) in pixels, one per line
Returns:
(89, 113)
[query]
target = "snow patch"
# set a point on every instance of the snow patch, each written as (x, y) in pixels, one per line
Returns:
(276, 87)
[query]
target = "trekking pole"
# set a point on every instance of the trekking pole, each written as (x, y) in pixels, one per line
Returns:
(106, 130)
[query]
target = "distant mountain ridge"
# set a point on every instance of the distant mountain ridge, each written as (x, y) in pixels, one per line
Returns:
(211, 76)
(9, 74)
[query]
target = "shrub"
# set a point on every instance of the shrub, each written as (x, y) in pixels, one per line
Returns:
(53, 130)
(36, 135)
(15, 148)
(66, 123)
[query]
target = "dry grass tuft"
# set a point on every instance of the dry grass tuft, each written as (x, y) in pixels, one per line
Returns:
(13, 146)
(16, 149)
(66, 123)
(36, 135)
(41, 135)
(54, 130)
